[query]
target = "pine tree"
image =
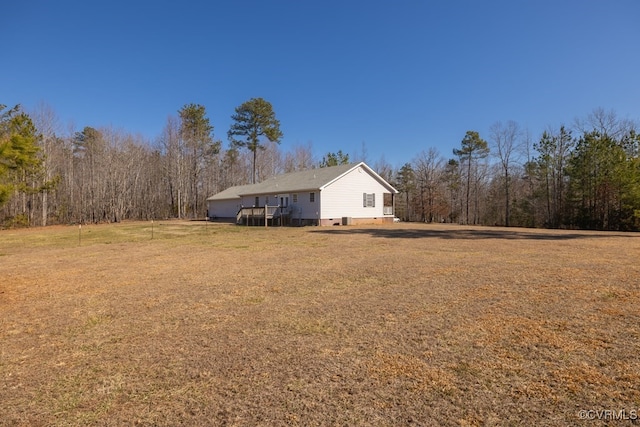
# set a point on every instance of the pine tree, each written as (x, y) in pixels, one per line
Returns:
(254, 120)
(18, 150)
(197, 135)
(473, 148)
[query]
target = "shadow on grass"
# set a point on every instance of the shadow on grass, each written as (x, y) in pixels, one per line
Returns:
(472, 234)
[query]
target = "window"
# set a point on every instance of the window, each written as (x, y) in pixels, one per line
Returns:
(368, 200)
(257, 203)
(312, 197)
(295, 198)
(266, 200)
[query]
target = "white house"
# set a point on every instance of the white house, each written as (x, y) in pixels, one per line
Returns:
(343, 194)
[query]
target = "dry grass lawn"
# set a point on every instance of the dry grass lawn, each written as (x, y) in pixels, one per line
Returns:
(405, 324)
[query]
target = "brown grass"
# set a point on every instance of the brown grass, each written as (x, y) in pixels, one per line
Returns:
(403, 324)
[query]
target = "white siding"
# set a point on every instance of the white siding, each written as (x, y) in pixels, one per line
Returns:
(223, 208)
(343, 198)
(249, 201)
(304, 208)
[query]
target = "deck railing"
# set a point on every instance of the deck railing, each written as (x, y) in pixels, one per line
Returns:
(257, 213)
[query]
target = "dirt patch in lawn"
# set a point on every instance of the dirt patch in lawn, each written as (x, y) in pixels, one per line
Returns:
(207, 324)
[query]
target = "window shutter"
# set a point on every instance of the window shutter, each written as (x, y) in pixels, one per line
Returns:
(373, 200)
(364, 200)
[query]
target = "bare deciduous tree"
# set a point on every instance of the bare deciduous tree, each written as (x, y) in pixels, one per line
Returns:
(301, 158)
(506, 144)
(428, 169)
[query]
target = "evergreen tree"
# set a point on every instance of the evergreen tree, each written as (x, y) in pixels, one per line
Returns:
(473, 148)
(554, 150)
(197, 136)
(406, 181)
(254, 120)
(18, 150)
(334, 159)
(604, 181)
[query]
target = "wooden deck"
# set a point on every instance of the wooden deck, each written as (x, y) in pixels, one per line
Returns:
(261, 215)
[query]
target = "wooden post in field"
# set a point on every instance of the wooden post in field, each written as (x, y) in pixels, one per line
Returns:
(265, 215)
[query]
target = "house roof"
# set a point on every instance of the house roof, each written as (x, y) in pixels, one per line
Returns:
(312, 179)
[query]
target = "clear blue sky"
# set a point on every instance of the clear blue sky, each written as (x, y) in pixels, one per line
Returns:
(398, 76)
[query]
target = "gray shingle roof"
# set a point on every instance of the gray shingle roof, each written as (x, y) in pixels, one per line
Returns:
(230, 193)
(312, 179)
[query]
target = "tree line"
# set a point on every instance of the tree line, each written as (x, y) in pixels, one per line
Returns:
(107, 175)
(583, 176)
(586, 177)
